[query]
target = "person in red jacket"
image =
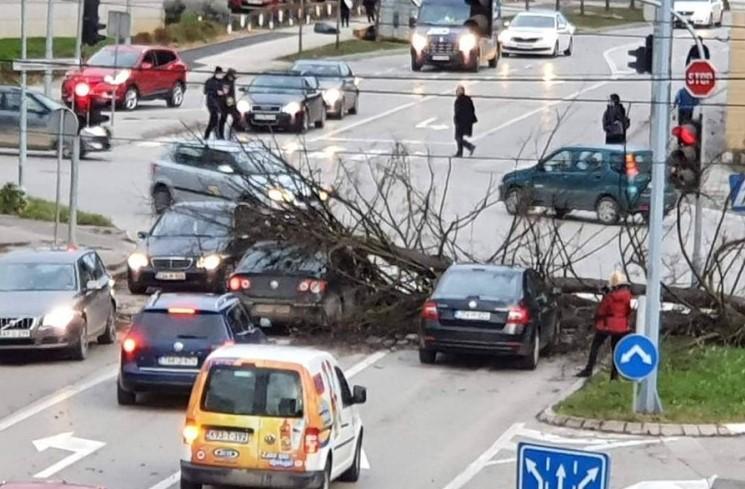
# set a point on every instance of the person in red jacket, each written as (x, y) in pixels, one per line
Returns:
(612, 320)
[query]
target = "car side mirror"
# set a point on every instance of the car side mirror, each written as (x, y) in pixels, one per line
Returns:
(146, 66)
(506, 23)
(359, 395)
(225, 169)
(142, 234)
(412, 22)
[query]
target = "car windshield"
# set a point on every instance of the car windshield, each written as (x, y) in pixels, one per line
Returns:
(497, 285)
(444, 14)
(247, 390)
(161, 325)
(319, 70)
(194, 222)
(123, 58)
(260, 161)
(282, 260)
(536, 21)
(37, 276)
(277, 84)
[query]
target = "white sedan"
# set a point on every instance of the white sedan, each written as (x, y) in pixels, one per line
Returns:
(701, 12)
(538, 33)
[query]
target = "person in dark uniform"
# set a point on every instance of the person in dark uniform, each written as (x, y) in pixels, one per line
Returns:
(694, 54)
(344, 13)
(615, 122)
(228, 107)
(369, 9)
(464, 118)
(214, 91)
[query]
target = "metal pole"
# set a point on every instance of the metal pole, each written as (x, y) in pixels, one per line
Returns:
(338, 22)
(300, 23)
(49, 48)
(128, 37)
(23, 143)
(72, 221)
(57, 196)
(79, 35)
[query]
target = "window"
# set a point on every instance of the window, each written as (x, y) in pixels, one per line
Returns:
(100, 267)
(346, 393)
(589, 161)
(558, 162)
(188, 155)
(85, 269)
(159, 325)
(150, 58)
(34, 106)
(36, 276)
(562, 21)
(214, 158)
(238, 320)
(165, 57)
(489, 284)
(91, 263)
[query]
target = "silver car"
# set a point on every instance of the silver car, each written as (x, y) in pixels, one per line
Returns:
(43, 124)
(225, 170)
(341, 94)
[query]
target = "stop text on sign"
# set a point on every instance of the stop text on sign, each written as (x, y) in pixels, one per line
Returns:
(701, 79)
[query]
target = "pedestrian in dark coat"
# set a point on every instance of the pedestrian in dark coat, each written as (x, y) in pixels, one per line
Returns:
(694, 54)
(612, 320)
(344, 13)
(464, 118)
(369, 9)
(615, 122)
(228, 107)
(214, 91)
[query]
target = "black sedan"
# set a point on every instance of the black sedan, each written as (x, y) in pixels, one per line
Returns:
(288, 102)
(285, 285)
(55, 299)
(489, 309)
(339, 85)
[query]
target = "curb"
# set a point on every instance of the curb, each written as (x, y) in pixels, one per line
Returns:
(549, 416)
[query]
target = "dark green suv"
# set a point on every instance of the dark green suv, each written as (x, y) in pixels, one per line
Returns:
(608, 179)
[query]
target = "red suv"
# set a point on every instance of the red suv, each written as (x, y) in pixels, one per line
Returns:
(131, 74)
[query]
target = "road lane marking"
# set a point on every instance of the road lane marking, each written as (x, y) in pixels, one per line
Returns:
(79, 447)
(55, 398)
(390, 141)
(351, 372)
(475, 467)
(427, 124)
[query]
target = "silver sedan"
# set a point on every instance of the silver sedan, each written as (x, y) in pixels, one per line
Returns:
(341, 94)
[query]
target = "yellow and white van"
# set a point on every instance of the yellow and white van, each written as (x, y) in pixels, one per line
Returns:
(271, 416)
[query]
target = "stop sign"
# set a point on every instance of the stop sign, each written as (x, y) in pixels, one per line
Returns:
(701, 79)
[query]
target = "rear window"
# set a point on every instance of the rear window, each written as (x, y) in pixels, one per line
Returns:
(282, 260)
(251, 391)
(160, 325)
(643, 161)
(498, 285)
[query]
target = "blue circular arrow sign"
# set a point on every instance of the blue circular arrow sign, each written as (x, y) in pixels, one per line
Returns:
(635, 357)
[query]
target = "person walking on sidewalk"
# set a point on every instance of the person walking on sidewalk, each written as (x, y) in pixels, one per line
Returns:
(344, 13)
(463, 119)
(686, 103)
(214, 91)
(615, 122)
(228, 107)
(612, 320)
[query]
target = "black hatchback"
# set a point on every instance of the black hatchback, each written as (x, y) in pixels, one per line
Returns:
(492, 310)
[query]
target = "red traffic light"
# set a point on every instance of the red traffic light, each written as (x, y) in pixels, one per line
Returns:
(686, 134)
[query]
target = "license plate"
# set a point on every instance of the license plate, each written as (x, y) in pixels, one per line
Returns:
(227, 436)
(472, 315)
(271, 310)
(15, 333)
(265, 117)
(178, 361)
(170, 276)
(440, 57)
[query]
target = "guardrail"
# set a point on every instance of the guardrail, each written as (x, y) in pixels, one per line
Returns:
(286, 15)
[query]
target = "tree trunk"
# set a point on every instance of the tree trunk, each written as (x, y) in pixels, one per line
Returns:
(632, 4)
(558, 7)
(581, 7)
(607, 5)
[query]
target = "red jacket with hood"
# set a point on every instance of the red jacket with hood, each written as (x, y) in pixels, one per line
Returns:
(614, 311)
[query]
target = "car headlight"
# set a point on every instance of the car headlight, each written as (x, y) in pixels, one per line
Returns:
(279, 195)
(209, 262)
(59, 318)
(137, 261)
(418, 41)
(119, 78)
(331, 95)
(243, 106)
(467, 42)
(291, 108)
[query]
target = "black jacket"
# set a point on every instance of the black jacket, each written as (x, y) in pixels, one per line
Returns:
(228, 92)
(465, 114)
(694, 54)
(615, 122)
(213, 89)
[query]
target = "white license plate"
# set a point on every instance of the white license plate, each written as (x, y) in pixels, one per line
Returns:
(15, 333)
(265, 117)
(178, 361)
(440, 57)
(227, 436)
(473, 315)
(170, 276)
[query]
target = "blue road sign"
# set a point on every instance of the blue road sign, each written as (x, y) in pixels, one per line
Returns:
(635, 357)
(544, 467)
(737, 191)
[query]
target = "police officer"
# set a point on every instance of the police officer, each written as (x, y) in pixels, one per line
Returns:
(214, 91)
(228, 107)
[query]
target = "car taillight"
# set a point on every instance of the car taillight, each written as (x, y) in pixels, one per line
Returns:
(129, 345)
(311, 440)
(239, 283)
(632, 169)
(518, 315)
(429, 311)
(190, 432)
(314, 286)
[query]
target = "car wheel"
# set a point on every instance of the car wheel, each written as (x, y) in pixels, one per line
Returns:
(189, 485)
(109, 333)
(555, 52)
(356, 107)
(176, 97)
(560, 213)
(162, 199)
(607, 210)
(352, 474)
(125, 398)
(568, 51)
(427, 357)
(131, 99)
(79, 351)
(514, 202)
(326, 484)
(530, 361)
(551, 345)
(322, 121)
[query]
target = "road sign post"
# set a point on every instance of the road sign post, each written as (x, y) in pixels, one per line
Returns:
(701, 78)
(545, 467)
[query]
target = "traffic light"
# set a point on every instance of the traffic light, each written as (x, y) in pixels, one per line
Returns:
(91, 26)
(642, 56)
(685, 160)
